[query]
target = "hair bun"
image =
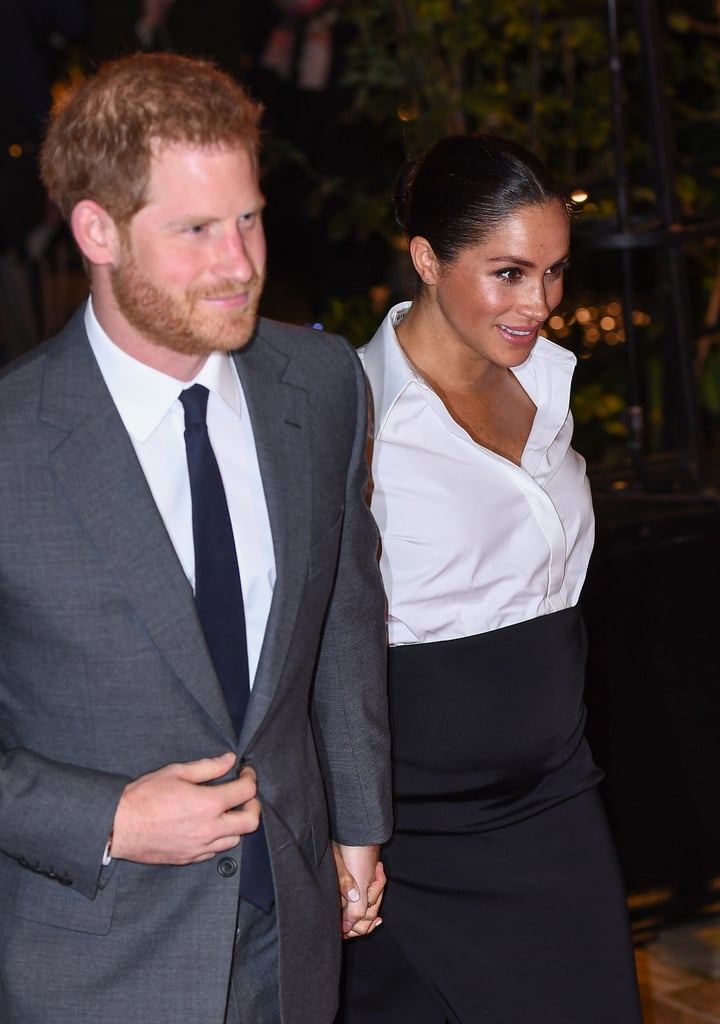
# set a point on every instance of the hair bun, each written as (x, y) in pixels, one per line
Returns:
(402, 195)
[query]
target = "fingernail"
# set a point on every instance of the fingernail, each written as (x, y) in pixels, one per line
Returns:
(353, 895)
(378, 922)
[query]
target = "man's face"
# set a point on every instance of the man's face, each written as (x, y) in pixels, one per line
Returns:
(192, 261)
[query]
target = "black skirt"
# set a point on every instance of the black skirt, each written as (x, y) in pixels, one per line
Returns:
(504, 902)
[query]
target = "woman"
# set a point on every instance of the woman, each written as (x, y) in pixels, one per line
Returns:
(504, 900)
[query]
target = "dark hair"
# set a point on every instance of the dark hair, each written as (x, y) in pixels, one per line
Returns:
(104, 132)
(465, 186)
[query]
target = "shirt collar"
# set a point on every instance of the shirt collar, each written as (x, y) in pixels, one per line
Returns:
(143, 395)
(388, 369)
(545, 375)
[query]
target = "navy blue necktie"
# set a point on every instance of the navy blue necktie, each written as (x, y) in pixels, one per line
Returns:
(219, 603)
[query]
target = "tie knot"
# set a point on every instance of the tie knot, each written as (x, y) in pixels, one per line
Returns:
(195, 400)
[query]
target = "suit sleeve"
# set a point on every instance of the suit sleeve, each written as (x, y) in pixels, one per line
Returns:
(38, 798)
(350, 713)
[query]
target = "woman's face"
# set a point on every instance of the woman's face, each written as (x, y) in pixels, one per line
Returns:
(495, 297)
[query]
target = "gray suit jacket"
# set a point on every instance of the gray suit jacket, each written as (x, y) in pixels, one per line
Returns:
(104, 675)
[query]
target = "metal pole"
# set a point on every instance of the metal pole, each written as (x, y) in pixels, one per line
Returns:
(635, 414)
(680, 335)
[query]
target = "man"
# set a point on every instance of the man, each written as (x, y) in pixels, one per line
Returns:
(132, 789)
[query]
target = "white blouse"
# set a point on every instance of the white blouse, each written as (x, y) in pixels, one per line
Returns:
(470, 541)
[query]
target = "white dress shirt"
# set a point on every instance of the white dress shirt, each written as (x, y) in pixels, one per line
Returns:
(470, 541)
(150, 409)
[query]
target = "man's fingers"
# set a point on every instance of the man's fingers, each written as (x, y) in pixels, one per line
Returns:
(206, 769)
(171, 815)
(234, 793)
(244, 819)
(248, 773)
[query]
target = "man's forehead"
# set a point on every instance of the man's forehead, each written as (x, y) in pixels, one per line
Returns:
(160, 148)
(186, 173)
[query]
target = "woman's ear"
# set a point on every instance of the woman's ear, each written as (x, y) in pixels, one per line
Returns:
(95, 232)
(424, 260)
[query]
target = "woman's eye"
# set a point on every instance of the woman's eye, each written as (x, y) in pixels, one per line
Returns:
(509, 274)
(557, 270)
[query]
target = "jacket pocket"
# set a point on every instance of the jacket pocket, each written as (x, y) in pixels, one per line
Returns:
(33, 897)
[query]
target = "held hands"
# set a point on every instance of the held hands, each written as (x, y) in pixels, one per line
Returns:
(361, 880)
(170, 817)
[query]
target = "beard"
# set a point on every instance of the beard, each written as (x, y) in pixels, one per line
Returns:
(182, 322)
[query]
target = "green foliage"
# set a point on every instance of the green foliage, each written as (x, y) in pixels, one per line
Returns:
(600, 431)
(355, 318)
(531, 70)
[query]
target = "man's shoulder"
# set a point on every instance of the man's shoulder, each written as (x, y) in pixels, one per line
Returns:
(66, 352)
(63, 341)
(305, 345)
(324, 366)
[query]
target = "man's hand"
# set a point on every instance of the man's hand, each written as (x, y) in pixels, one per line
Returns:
(361, 881)
(169, 817)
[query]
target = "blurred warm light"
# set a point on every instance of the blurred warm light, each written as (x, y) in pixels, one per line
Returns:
(407, 113)
(579, 196)
(60, 87)
(648, 897)
(619, 485)
(600, 325)
(640, 319)
(15, 150)
(379, 298)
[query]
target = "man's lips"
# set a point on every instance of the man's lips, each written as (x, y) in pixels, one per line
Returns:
(230, 299)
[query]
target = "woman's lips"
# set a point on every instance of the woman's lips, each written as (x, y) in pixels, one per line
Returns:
(520, 336)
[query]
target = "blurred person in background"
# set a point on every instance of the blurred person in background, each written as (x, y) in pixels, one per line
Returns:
(34, 36)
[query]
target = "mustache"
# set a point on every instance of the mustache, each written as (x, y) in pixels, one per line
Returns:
(226, 288)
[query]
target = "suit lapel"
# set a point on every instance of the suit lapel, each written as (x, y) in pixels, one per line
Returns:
(98, 472)
(279, 415)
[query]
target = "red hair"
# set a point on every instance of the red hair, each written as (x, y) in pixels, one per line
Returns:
(104, 132)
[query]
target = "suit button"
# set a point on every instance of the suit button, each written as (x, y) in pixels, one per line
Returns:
(227, 867)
